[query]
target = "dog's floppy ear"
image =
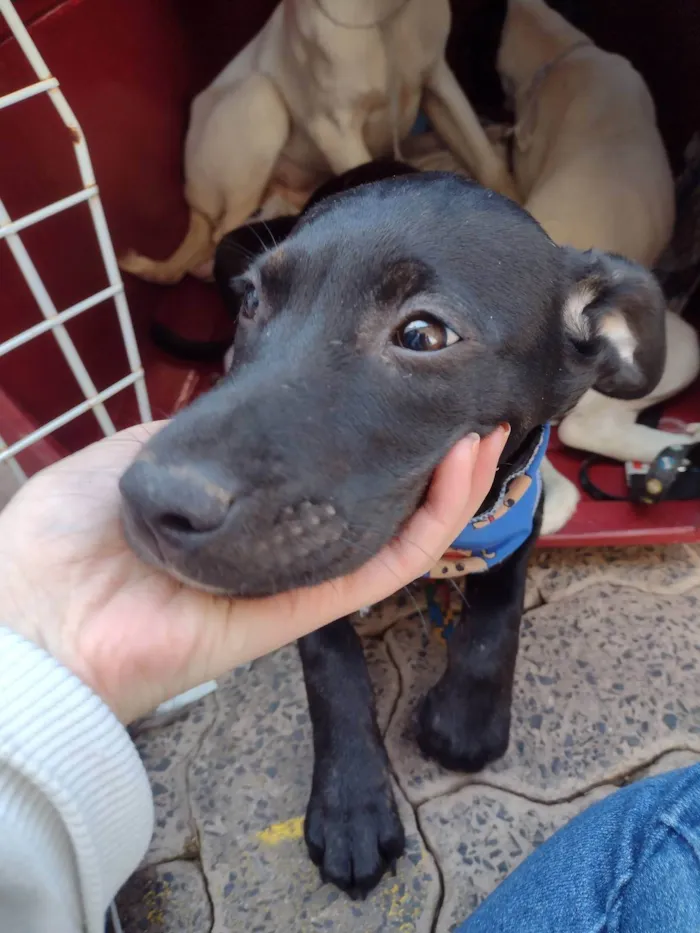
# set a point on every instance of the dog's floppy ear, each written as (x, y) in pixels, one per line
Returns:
(614, 314)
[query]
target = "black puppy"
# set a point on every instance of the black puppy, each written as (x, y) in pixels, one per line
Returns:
(396, 318)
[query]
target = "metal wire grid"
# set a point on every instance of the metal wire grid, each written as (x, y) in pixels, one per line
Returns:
(54, 320)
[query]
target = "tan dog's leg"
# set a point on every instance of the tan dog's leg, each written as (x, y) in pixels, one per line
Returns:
(194, 249)
(273, 205)
(453, 118)
(608, 427)
(497, 135)
(228, 168)
(340, 142)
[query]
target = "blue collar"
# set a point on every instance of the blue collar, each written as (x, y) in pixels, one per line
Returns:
(494, 535)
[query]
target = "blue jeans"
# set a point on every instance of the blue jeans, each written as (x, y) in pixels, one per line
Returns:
(628, 864)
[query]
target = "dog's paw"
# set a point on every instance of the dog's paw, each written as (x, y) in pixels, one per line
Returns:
(150, 270)
(463, 731)
(354, 835)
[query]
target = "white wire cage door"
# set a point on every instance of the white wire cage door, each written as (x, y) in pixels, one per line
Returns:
(55, 319)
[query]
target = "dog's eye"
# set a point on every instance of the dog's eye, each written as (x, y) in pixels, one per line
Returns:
(249, 300)
(425, 335)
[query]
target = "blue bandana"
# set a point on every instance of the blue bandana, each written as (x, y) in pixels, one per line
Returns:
(493, 536)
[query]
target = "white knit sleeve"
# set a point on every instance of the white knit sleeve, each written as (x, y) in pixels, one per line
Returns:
(76, 813)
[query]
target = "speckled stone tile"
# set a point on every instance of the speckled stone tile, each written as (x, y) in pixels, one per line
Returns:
(533, 597)
(478, 837)
(606, 681)
(168, 898)
(166, 752)
(260, 877)
(249, 789)
(663, 570)
(673, 761)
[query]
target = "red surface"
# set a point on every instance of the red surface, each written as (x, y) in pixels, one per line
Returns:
(15, 425)
(129, 69)
(621, 522)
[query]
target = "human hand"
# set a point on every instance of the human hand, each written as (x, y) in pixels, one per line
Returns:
(70, 583)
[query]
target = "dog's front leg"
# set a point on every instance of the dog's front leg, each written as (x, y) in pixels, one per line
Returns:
(454, 120)
(353, 830)
(465, 719)
(340, 141)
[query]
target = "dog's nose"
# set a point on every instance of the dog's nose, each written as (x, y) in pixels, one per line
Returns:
(176, 502)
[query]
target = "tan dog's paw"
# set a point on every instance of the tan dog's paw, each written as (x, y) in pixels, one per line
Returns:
(204, 271)
(150, 270)
(689, 435)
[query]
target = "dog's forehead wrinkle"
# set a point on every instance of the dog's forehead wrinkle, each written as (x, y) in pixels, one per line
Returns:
(406, 206)
(403, 280)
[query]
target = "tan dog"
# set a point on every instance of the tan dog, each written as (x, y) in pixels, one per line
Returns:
(591, 167)
(325, 86)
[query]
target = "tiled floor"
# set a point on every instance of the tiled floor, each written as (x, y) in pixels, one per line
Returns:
(607, 687)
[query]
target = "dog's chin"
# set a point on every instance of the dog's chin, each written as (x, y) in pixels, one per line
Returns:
(221, 577)
(235, 582)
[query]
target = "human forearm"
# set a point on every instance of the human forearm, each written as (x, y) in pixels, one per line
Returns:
(76, 812)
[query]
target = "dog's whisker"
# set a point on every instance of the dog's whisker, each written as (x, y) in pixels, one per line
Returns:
(269, 230)
(263, 244)
(410, 594)
(416, 606)
(237, 248)
(459, 591)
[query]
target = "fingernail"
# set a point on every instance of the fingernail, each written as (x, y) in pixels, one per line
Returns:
(473, 438)
(505, 427)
